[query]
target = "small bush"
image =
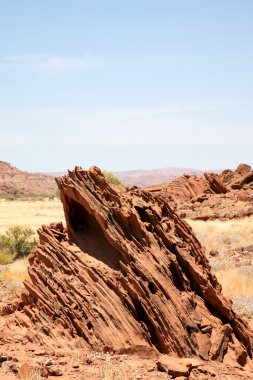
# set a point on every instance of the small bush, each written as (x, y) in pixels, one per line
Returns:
(17, 242)
(111, 178)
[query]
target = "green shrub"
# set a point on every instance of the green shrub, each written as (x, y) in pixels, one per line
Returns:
(111, 178)
(17, 242)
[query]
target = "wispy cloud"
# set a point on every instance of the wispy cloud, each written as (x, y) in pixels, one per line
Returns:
(53, 63)
(171, 123)
(63, 63)
(88, 61)
(58, 63)
(122, 138)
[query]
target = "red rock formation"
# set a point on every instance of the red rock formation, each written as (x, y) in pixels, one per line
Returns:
(182, 189)
(211, 196)
(215, 183)
(128, 274)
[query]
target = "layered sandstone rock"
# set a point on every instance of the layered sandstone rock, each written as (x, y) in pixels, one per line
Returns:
(128, 275)
(224, 196)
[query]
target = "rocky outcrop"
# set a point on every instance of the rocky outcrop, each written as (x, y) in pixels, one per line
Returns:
(144, 178)
(181, 189)
(128, 275)
(211, 196)
(215, 184)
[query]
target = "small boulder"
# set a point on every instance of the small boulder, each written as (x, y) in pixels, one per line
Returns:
(54, 370)
(177, 366)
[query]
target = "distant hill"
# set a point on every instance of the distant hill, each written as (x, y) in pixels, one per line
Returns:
(144, 178)
(14, 182)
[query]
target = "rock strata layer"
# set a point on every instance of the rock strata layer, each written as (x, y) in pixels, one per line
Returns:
(226, 195)
(128, 276)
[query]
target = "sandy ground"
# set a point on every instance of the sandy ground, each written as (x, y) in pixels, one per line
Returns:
(29, 213)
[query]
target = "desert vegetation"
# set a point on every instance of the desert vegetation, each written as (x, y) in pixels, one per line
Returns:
(17, 242)
(110, 372)
(29, 213)
(111, 178)
(15, 271)
(224, 235)
(229, 246)
(19, 221)
(237, 284)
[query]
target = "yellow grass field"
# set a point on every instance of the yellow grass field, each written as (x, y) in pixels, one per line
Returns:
(17, 271)
(29, 213)
(224, 235)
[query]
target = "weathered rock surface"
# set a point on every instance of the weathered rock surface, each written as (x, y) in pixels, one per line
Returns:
(226, 195)
(144, 178)
(177, 367)
(128, 276)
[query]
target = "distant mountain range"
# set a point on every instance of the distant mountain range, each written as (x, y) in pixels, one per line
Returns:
(144, 178)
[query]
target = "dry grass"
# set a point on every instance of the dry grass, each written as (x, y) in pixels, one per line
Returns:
(29, 213)
(224, 236)
(25, 214)
(14, 272)
(235, 282)
(5, 257)
(110, 371)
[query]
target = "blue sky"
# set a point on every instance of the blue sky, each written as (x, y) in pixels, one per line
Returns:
(126, 84)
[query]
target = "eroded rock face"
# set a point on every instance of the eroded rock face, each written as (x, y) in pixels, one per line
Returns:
(128, 275)
(226, 195)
